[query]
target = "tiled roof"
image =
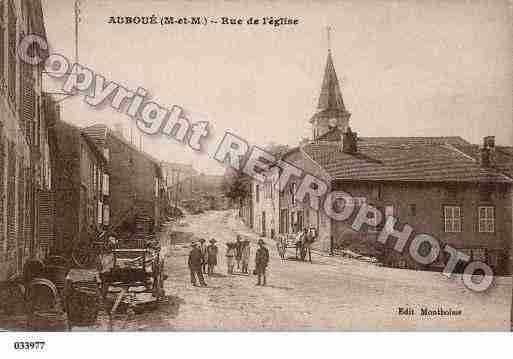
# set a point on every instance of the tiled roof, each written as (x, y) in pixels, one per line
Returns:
(335, 134)
(98, 133)
(503, 157)
(416, 159)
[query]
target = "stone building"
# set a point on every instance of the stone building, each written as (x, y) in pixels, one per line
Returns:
(81, 188)
(135, 180)
(25, 143)
(179, 180)
(431, 183)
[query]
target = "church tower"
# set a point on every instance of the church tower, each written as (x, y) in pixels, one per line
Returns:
(331, 112)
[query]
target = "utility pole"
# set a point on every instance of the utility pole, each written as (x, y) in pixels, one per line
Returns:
(176, 189)
(77, 20)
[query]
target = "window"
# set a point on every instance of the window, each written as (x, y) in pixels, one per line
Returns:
(377, 192)
(94, 179)
(106, 153)
(479, 254)
(486, 219)
(284, 221)
(257, 193)
(389, 212)
(105, 184)
(100, 212)
(493, 259)
(293, 193)
(340, 203)
(268, 189)
(452, 218)
(413, 210)
(106, 214)
(28, 102)
(374, 224)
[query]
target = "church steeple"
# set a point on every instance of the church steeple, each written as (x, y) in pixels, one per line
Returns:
(331, 96)
(331, 111)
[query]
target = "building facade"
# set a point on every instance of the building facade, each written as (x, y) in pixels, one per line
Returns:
(437, 185)
(80, 188)
(135, 179)
(179, 180)
(25, 143)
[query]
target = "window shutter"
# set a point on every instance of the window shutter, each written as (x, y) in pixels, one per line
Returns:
(46, 219)
(2, 190)
(11, 192)
(27, 104)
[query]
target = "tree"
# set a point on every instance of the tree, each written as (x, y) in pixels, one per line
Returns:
(235, 187)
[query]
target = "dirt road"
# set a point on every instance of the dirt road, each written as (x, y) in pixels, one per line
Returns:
(333, 293)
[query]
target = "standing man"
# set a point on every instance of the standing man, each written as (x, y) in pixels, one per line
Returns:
(204, 255)
(230, 255)
(246, 252)
(212, 256)
(261, 261)
(195, 262)
(238, 251)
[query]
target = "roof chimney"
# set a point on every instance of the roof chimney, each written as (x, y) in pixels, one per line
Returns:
(488, 152)
(349, 141)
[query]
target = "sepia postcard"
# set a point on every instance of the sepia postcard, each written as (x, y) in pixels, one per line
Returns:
(255, 166)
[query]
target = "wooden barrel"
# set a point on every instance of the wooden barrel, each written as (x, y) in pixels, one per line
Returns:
(83, 304)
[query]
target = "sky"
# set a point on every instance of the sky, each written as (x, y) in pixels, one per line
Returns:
(407, 68)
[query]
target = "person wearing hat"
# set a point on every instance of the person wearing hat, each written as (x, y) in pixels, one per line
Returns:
(195, 262)
(246, 252)
(204, 256)
(230, 254)
(238, 251)
(212, 256)
(261, 261)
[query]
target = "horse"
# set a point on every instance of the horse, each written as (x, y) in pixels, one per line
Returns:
(281, 246)
(308, 239)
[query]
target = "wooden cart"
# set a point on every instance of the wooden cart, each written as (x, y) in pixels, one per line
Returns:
(136, 276)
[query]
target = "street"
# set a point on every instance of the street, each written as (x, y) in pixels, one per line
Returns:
(333, 293)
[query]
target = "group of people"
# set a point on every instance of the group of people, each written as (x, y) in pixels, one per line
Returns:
(203, 259)
(238, 251)
(303, 243)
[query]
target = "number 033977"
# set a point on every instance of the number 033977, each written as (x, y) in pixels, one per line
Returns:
(29, 345)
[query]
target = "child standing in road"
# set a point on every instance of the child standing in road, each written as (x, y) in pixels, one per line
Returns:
(211, 256)
(246, 251)
(230, 257)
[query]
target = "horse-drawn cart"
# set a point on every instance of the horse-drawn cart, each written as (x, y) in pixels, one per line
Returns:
(135, 275)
